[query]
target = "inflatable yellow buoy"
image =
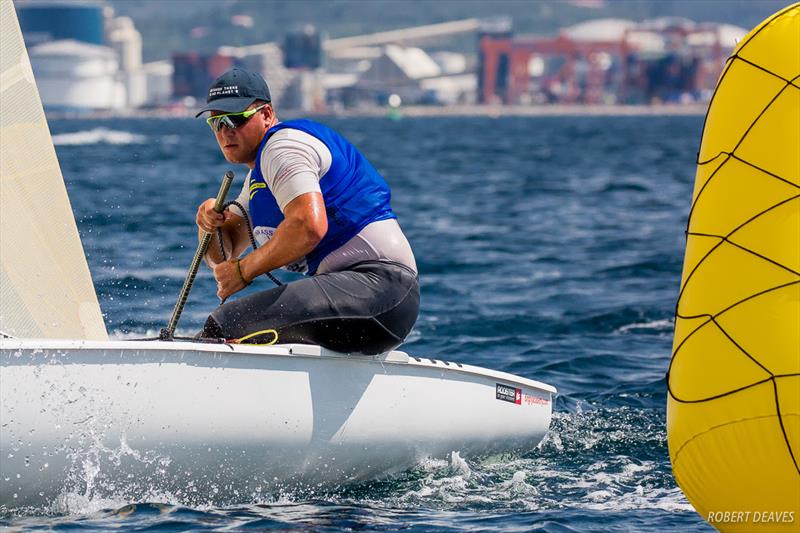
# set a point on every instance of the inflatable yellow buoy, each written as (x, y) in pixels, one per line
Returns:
(733, 410)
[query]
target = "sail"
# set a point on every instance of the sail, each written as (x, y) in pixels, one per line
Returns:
(45, 286)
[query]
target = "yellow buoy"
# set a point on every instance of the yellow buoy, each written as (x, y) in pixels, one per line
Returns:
(733, 409)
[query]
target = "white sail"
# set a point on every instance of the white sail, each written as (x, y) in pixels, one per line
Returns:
(46, 289)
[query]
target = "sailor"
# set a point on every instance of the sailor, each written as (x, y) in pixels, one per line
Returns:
(317, 207)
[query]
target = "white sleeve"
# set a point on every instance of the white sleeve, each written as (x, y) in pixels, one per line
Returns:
(243, 198)
(293, 163)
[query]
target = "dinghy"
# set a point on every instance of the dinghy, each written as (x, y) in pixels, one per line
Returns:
(187, 421)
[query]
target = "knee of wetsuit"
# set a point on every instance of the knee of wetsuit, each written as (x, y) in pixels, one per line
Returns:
(212, 329)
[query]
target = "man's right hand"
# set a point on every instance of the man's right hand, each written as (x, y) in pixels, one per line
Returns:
(209, 220)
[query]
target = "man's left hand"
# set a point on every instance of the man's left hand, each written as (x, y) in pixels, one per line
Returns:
(228, 280)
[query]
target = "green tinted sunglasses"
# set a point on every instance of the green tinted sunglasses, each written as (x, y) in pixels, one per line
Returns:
(232, 120)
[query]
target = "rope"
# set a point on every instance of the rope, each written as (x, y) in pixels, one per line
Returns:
(255, 334)
(253, 243)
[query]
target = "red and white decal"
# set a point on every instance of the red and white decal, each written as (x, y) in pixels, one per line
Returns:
(529, 399)
(508, 394)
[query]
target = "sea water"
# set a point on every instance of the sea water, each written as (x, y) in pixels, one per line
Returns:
(549, 247)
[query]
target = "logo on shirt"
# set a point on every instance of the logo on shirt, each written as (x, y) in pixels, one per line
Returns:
(255, 186)
(263, 234)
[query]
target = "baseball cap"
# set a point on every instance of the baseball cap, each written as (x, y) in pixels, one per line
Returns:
(235, 90)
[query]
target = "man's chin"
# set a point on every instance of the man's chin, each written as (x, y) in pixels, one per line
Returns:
(232, 158)
(237, 159)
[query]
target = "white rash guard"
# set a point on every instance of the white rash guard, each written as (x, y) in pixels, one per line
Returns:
(292, 164)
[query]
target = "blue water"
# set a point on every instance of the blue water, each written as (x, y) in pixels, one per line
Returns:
(549, 247)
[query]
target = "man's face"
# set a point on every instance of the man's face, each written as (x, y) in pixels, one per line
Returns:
(240, 145)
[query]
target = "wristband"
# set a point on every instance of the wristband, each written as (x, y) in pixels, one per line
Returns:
(241, 277)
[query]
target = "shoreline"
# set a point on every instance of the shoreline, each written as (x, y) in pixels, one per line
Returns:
(423, 112)
(532, 111)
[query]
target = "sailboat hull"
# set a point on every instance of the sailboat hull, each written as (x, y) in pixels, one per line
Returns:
(124, 419)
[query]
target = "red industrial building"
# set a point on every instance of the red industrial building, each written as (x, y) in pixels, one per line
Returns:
(194, 72)
(605, 61)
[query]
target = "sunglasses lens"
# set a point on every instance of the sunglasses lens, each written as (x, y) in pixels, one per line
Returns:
(216, 123)
(234, 121)
(231, 120)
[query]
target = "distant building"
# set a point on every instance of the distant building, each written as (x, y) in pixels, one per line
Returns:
(455, 89)
(363, 69)
(189, 74)
(457, 83)
(399, 70)
(79, 20)
(303, 49)
(493, 67)
(450, 63)
(673, 59)
(305, 93)
(79, 44)
(606, 61)
(158, 82)
(77, 76)
(123, 37)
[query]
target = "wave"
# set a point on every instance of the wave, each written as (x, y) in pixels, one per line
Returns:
(664, 325)
(604, 459)
(97, 136)
(133, 275)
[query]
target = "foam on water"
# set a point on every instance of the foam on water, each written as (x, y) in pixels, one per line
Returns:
(665, 325)
(148, 274)
(98, 136)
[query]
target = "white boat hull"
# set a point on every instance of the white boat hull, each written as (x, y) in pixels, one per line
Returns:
(120, 419)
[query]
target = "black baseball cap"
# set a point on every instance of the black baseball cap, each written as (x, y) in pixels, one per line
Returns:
(235, 90)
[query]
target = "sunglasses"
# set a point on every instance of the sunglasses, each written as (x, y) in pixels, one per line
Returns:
(232, 120)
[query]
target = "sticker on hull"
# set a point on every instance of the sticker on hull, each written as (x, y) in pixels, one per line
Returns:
(508, 394)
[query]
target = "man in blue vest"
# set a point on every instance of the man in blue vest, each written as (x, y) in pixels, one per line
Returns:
(317, 207)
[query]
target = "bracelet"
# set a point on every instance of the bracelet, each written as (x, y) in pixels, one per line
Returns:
(241, 277)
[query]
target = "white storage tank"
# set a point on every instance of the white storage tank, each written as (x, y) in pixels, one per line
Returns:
(77, 76)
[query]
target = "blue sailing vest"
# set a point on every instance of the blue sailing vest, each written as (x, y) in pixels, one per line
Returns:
(355, 194)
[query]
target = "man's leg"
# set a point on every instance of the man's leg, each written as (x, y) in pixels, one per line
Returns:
(368, 309)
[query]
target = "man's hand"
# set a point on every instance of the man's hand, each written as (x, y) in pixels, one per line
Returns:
(209, 220)
(228, 280)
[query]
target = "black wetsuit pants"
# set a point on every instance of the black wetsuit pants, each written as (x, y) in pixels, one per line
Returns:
(369, 308)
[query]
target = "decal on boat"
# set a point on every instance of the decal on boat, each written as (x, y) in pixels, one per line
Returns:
(508, 394)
